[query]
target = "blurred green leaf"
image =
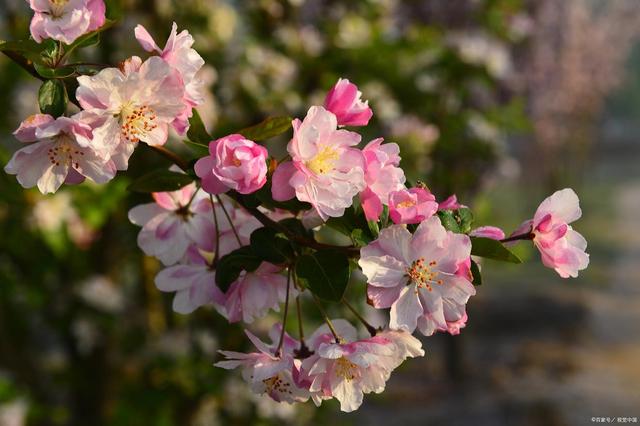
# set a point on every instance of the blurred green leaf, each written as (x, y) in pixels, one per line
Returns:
(268, 128)
(326, 273)
(160, 181)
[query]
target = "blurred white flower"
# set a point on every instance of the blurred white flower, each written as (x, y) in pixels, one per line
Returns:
(13, 413)
(101, 293)
(480, 49)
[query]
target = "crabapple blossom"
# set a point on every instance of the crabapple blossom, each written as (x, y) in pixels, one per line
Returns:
(411, 205)
(325, 170)
(488, 232)
(194, 282)
(560, 246)
(416, 275)
(451, 203)
(267, 372)
(65, 20)
(234, 163)
(62, 151)
(136, 104)
(173, 222)
(382, 176)
(352, 367)
(180, 55)
(344, 101)
(254, 293)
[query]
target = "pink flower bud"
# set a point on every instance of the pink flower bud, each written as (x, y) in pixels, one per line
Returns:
(234, 163)
(411, 205)
(344, 101)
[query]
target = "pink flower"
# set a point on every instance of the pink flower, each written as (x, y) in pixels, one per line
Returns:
(417, 276)
(325, 170)
(234, 163)
(382, 176)
(63, 150)
(411, 205)
(450, 203)
(135, 105)
(65, 20)
(344, 101)
(174, 222)
(194, 283)
(348, 369)
(266, 373)
(488, 232)
(562, 248)
(180, 55)
(254, 293)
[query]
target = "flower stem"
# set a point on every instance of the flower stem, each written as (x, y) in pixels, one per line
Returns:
(371, 329)
(226, 213)
(527, 236)
(284, 316)
(216, 256)
(326, 318)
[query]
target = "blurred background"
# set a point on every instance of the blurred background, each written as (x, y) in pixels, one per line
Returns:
(500, 101)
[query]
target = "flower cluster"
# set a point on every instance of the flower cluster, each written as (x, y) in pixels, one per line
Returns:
(237, 230)
(136, 102)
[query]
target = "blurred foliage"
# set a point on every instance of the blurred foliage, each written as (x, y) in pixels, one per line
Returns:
(85, 337)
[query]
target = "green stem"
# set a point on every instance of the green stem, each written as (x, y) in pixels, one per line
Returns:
(527, 236)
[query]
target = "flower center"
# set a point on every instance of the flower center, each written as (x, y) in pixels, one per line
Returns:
(276, 384)
(345, 369)
(137, 122)
(423, 275)
(64, 152)
(57, 8)
(405, 204)
(323, 161)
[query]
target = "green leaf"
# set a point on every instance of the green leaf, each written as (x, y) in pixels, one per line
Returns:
(448, 221)
(475, 273)
(360, 237)
(52, 98)
(160, 181)
(373, 227)
(230, 266)
(197, 131)
(326, 273)
(269, 128)
(271, 246)
(50, 73)
(464, 217)
(492, 249)
(200, 150)
(295, 225)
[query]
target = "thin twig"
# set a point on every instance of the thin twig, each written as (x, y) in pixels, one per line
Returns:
(371, 329)
(527, 236)
(284, 316)
(175, 159)
(216, 256)
(326, 318)
(233, 228)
